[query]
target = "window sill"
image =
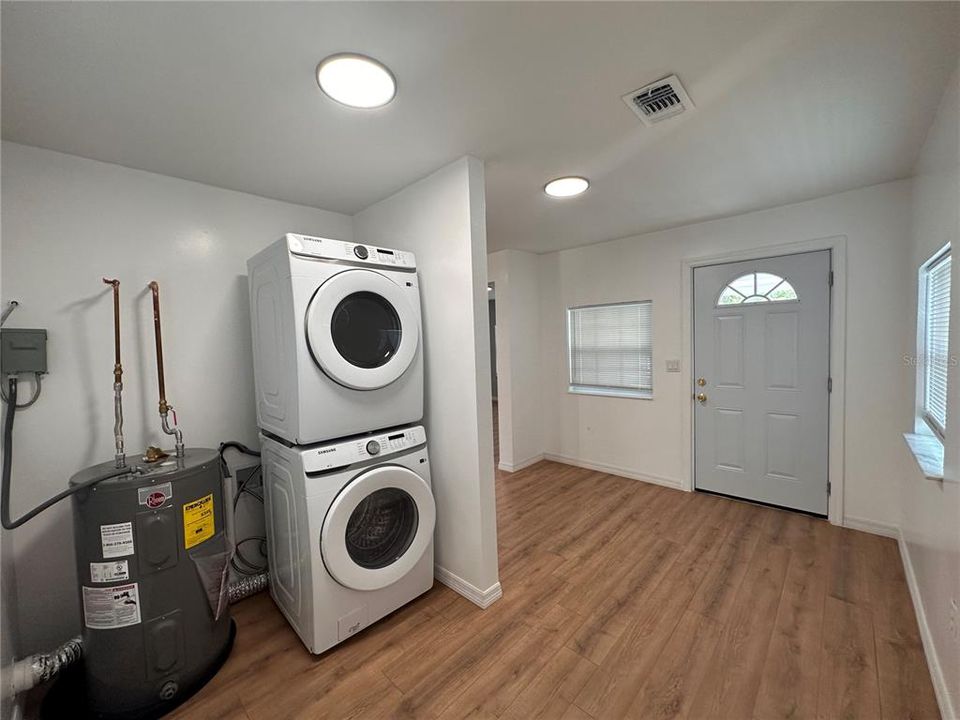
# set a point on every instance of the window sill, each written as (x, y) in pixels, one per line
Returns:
(928, 452)
(601, 392)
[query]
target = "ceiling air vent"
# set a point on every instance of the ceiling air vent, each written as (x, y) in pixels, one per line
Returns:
(660, 100)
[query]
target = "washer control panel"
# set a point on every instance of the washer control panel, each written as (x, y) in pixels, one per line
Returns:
(356, 253)
(349, 452)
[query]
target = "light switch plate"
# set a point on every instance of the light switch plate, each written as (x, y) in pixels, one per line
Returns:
(673, 366)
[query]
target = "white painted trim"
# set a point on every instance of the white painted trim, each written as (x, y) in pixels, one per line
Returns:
(872, 526)
(514, 467)
(947, 710)
(614, 470)
(480, 598)
(838, 351)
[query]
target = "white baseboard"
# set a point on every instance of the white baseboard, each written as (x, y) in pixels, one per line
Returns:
(480, 598)
(947, 710)
(872, 526)
(613, 470)
(514, 467)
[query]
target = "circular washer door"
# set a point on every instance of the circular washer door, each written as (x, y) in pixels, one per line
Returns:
(378, 528)
(362, 330)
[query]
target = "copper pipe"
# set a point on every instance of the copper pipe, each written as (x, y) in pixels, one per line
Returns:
(155, 289)
(117, 367)
(121, 459)
(165, 407)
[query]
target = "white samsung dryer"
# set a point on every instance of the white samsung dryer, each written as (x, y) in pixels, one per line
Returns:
(349, 530)
(337, 346)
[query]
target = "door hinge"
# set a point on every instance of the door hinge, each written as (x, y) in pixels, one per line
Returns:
(830, 279)
(829, 487)
(829, 384)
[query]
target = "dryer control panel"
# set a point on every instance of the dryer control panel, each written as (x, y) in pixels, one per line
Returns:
(355, 253)
(349, 452)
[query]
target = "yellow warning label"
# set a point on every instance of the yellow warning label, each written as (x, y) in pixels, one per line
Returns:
(198, 521)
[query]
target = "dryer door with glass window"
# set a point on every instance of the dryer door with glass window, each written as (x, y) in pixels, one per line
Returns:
(361, 329)
(377, 528)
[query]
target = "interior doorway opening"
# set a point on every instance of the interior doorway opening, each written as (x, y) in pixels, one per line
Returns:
(492, 307)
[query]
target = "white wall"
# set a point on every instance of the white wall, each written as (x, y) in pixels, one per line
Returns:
(516, 275)
(67, 222)
(442, 219)
(930, 520)
(645, 437)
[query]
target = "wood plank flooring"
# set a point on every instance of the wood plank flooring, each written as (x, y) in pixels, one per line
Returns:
(620, 600)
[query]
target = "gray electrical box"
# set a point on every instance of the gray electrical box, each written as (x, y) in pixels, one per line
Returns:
(23, 351)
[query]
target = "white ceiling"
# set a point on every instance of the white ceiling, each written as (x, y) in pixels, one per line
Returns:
(794, 101)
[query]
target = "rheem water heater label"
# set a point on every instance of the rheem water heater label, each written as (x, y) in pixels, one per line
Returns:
(116, 540)
(109, 571)
(154, 496)
(111, 607)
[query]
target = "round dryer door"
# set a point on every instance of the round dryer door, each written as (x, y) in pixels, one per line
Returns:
(362, 330)
(378, 528)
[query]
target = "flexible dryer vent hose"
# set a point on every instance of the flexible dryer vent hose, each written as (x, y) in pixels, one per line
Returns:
(37, 669)
(247, 586)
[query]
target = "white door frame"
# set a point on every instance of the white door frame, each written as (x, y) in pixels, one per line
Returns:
(837, 244)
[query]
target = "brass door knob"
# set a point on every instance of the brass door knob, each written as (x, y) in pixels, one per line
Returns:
(701, 398)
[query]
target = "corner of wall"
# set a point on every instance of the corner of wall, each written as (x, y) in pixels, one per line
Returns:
(442, 219)
(929, 543)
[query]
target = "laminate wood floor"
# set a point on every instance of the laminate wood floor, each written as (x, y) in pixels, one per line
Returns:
(620, 599)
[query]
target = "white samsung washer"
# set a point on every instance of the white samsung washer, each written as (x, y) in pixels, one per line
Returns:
(337, 347)
(349, 530)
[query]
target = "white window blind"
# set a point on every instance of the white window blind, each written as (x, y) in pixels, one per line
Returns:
(611, 349)
(936, 332)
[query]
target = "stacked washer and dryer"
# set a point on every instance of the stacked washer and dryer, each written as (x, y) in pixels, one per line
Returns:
(338, 366)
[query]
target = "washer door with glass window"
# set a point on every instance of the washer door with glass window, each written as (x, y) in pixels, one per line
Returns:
(378, 528)
(361, 329)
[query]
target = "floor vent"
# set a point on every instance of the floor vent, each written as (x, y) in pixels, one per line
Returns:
(659, 101)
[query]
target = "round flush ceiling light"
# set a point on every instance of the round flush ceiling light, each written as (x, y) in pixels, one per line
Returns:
(356, 80)
(566, 187)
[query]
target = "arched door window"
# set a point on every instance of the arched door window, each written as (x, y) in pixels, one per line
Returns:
(757, 287)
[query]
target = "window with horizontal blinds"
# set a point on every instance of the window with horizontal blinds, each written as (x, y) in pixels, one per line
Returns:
(936, 333)
(611, 349)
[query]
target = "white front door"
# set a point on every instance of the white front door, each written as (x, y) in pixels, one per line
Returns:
(761, 373)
